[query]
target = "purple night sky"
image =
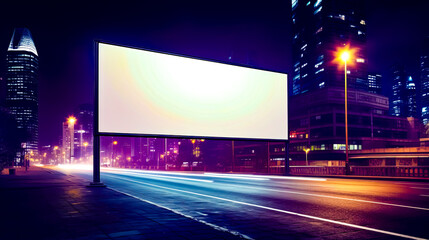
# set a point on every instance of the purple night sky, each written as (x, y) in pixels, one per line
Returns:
(249, 32)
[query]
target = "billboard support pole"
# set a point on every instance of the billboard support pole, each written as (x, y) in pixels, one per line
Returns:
(96, 143)
(96, 164)
(287, 168)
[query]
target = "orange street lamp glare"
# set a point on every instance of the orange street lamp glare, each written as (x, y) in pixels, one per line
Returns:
(71, 120)
(345, 56)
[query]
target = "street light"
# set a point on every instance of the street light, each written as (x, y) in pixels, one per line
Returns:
(114, 143)
(306, 150)
(85, 144)
(71, 120)
(345, 55)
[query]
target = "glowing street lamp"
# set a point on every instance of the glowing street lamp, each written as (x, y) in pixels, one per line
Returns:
(71, 120)
(114, 143)
(85, 144)
(306, 150)
(345, 55)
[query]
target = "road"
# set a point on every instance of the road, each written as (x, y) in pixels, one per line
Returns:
(275, 207)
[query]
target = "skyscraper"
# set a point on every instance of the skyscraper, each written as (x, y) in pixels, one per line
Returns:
(424, 79)
(22, 65)
(397, 100)
(319, 28)
(410, 98)
(403, 102)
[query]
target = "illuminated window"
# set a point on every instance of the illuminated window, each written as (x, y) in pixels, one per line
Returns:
(318, 10)
(360, 60)
(319, 71)
(318, 64)
(318, 2)
(362, 22)
(294, 4)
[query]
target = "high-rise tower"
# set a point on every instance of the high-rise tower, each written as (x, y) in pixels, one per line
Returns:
(22, 65)
(424, 79)
(319, 28)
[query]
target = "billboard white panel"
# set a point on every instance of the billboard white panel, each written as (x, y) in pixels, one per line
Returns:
(150, 93)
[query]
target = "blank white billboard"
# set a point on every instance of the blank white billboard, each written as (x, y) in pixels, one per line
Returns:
(149, 93)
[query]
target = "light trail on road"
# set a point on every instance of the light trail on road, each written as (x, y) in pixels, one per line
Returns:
(371, 206)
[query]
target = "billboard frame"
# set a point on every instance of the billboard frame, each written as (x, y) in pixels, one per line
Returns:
(97, 134)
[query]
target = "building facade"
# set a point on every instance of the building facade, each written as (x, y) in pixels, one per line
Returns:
(318, 124)
(374, 83)
(319, 28)
(22, 67)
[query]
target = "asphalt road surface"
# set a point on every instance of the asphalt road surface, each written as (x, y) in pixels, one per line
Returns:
(275, 207)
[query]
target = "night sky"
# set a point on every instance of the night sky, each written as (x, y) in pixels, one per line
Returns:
(248, 32)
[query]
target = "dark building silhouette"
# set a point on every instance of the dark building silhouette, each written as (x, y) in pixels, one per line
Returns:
(424, 80)
(319, 28)
(22, 65)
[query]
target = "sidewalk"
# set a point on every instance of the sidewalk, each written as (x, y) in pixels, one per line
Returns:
(45, 204)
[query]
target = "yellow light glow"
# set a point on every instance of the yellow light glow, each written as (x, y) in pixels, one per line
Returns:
(307, 150)
(115, 142)
(345, 56)
(192, 141)
(71, 120)
(85, 144)
(56, 148)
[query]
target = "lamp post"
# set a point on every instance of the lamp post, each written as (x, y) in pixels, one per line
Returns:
(114, 143)
(306, 150)
(56, 154)
(85, 144)
(71, 121)
(345, 55)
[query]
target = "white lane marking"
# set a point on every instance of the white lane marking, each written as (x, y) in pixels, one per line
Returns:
(419, 187)
(342, 198)
(161, 177)
(266, 176)
(219, 228)
(258, 178)
(236, 177)
(282, 211)
(424, 195)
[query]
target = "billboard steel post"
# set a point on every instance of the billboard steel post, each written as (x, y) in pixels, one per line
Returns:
(96, 142)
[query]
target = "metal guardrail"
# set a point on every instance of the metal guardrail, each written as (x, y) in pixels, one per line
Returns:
(317, 170)
(392, 171)
(388, 171)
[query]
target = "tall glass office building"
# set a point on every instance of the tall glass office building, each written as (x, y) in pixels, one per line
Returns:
(424, 79)
(22, 65)
(319, 28)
